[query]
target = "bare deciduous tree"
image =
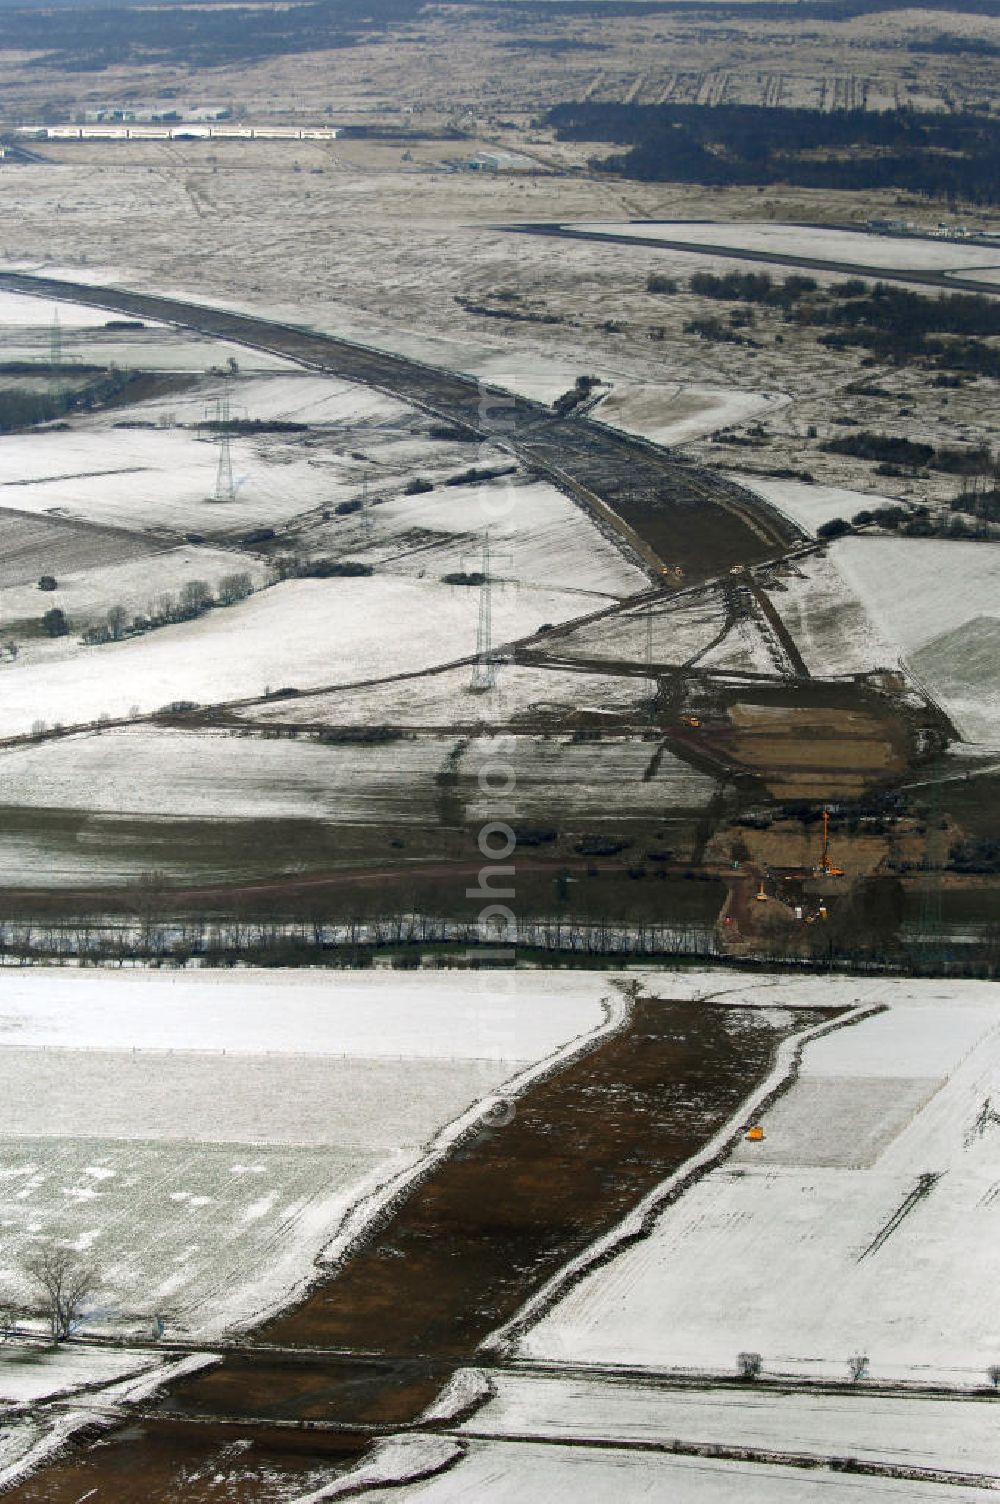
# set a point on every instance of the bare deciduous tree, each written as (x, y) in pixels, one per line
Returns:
(235, 587)
(195, 597)
(857, 1367)
(748, 1365)
(65, 1282)
(117, 620)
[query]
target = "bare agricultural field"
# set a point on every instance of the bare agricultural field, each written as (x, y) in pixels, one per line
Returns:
(448, 699)
(104, 807)
(32, 545)
(161, 773)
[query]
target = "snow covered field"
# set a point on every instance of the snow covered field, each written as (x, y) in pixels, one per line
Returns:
(828, 623)
(202, 1137)
(891, 253)
(20, 312)
(538, 537)
(828, 1242)
(678, 413)
(915, 1433)
(35, 544)
(137, 584)
(497, 1472)
(163, 773)
(810, 506)
(291, 396)
(27, 325)
(159, 478)
(672, 631)
(446, 699)
(32, 1373)
(303, 633)
(938, 602)
(299, 1012)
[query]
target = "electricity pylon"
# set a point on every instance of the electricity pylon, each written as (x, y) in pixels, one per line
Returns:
(484, 673)
(225, 488)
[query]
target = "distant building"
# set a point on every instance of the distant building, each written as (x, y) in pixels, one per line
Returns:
(185, 131)
(889, 226)
(501, 161)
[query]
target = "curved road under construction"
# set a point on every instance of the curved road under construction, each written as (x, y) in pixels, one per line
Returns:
(684, 523)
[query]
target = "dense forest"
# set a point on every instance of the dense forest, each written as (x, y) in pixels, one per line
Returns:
(943, 156)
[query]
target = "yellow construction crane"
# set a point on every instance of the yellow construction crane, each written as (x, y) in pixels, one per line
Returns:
(826, 867)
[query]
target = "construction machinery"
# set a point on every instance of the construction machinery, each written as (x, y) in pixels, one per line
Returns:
(826, 867)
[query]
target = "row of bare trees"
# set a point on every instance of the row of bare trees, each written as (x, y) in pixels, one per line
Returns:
(194, 599)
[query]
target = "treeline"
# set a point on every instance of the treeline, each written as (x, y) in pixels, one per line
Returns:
(947, 331)
(889, 449)
(939, 156)
(747, 287)
(948, 44)
(967, 520)
(857, 942)
(21, 407)
(192, 601)
(982, 504)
